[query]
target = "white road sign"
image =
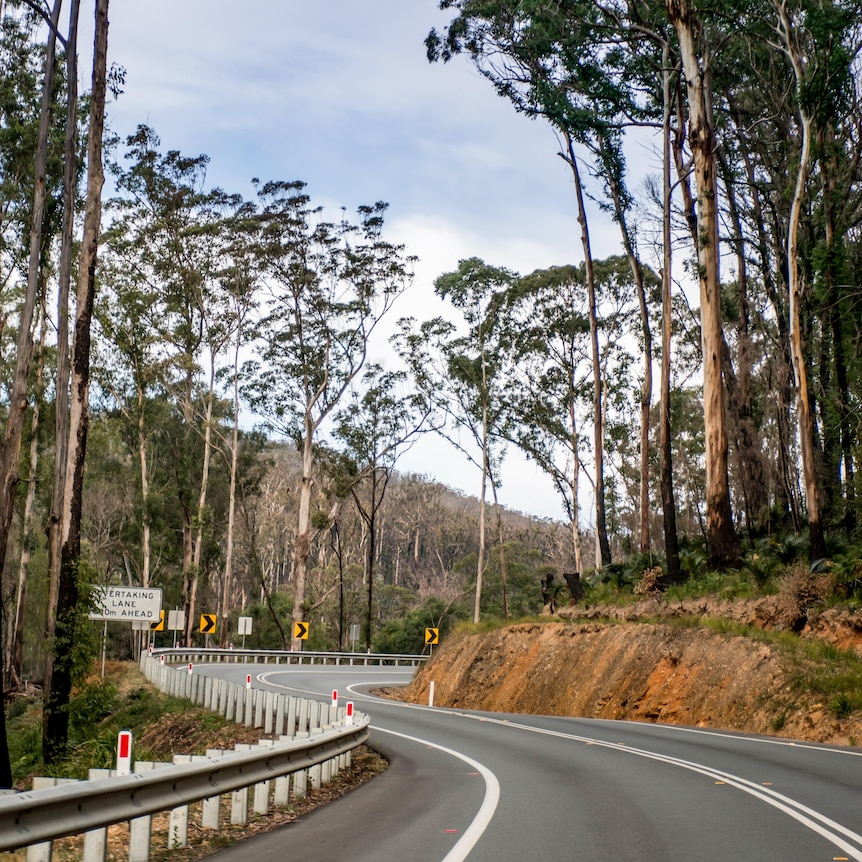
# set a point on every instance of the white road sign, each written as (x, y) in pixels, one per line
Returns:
(127, 604)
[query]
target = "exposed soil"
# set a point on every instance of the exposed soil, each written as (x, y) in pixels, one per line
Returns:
(670, 670)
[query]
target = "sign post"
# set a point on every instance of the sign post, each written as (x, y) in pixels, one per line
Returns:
(244, 628)
(124, 752)
(176, 622)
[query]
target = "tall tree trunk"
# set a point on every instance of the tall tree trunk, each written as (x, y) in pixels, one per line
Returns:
(55, 714)
(192, 578)
(503, 573)
(143, 462)
(480, 563)
(303, 532)
(15, 652)
(61, 412)
(17, 402)
(234, 450)
(668, 500)
(805, 421)
(646, 385)
(574, 484)
(751, 473)
(603, 547)
(723, 544)
(842, 399)
(784, 493)
(371, 521)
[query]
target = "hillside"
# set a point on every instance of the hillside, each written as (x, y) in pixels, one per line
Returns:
(664, 665)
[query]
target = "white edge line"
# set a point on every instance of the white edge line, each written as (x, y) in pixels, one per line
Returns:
(476, 829)
(796, 810)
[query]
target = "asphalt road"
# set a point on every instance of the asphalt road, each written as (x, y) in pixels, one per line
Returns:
(494, 788)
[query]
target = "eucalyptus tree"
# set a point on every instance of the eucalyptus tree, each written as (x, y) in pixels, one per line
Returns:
(818, 42)
(127, 375)
(166, 236)
(575, 66)
(547, 335)
(547, 339)
(379, 423)
(327, 286)
(24, 346)
(59, 683)
(460, 375)
(239, 278)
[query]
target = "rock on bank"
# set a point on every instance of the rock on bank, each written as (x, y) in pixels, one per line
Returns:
(669, 674)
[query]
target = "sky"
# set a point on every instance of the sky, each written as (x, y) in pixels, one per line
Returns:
(339, 94)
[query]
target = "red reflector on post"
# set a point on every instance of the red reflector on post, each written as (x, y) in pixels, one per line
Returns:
(124, 752)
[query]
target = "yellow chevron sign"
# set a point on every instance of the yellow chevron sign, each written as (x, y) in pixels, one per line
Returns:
(300, 631)
(208, 624)
(158, 625)
(432, 636)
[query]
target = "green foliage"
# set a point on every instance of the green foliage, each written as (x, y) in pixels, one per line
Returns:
(91, 704)
(407, 634)
(847, 571)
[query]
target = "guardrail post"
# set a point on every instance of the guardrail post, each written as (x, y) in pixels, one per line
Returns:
(259, 706)
(300, 777)
(42, 852)
(230, 696)
(140, 829)
(315, 708)
(239, 695)
(279, 715)
(249, 708)
(260, 803)
(239, 798)
(96, 840)
(210, 807)
(291, 715)
(281, 791)
(268, 697)
(302, 723)
(178, 825)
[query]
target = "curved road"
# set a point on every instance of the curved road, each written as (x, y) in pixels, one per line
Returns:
(493, 787)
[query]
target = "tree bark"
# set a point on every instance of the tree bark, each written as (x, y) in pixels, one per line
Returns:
(61, 412)
(480, 563)
(603, 548)
(668, 500)
(724, 548)
(17, 403)
(15, 655)
(303, 532)
(56, 714)
(805, 421)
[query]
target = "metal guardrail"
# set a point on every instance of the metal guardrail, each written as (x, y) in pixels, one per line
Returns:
(311, 737)
(70, 809)
(241, 655)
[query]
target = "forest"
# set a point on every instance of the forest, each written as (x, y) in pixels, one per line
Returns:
(697, 392)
